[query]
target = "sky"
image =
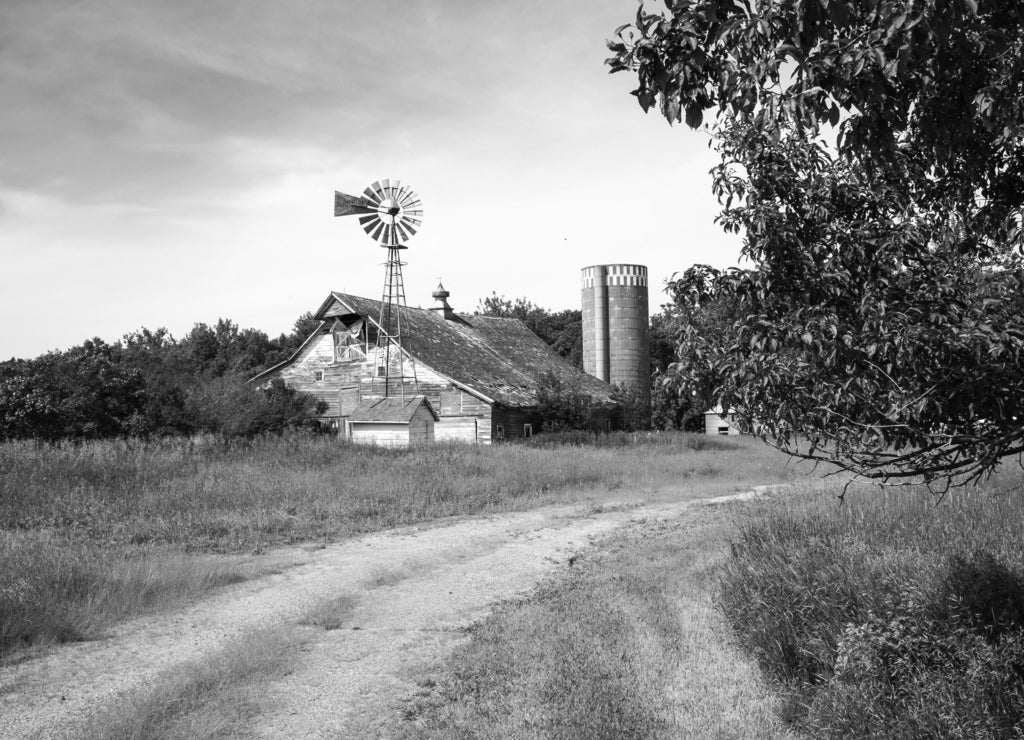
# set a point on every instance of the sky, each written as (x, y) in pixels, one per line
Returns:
(168, 163)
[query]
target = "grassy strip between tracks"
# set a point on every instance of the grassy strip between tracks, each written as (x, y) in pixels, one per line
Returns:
(627, 644)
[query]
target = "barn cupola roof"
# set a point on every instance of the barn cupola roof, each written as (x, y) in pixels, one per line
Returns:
(441, 307)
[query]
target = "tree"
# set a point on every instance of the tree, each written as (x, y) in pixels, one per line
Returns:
(563, 404)
(87, 392)
(683, 380)
(151, 384)
(871, 157)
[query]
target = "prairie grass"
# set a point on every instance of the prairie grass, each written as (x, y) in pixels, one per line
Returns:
(892, 615)
(92, 533)
(626, 645)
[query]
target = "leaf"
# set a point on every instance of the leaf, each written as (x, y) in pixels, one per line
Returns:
(694, 116)
(833, 114)
(670, 108)
(645, 98)
(840, 12)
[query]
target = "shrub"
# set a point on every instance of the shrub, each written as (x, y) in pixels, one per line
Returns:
(887, 617)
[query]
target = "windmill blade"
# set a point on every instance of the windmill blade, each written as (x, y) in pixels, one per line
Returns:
(373, 194)
(349, 205)
(409, 200)
(375, 229)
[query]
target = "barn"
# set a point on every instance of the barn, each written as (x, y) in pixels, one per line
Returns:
(479, 375)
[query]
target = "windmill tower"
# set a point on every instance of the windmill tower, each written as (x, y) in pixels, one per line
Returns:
(391, 214)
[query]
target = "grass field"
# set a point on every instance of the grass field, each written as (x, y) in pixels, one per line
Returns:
(892, 615)
(93, 533)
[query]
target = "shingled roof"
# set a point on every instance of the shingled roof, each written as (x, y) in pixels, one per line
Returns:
(390, 410)
(498, 358)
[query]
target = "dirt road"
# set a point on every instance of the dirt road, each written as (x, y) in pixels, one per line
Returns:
(412, 592)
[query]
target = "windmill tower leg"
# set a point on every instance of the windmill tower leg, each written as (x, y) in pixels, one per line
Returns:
(389, 337)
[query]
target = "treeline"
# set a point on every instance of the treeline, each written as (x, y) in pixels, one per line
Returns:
(151, 384)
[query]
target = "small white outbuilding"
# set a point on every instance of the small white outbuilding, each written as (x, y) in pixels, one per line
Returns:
(392, 422)
(717, 421)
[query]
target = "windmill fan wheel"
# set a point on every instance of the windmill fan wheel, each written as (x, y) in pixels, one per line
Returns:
(390, 212)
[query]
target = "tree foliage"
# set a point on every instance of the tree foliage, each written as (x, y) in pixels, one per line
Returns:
(152, 384)
(563, 404)
(683, 380)
(871, 158)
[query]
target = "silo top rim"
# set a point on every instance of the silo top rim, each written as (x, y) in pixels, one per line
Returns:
(615, 264)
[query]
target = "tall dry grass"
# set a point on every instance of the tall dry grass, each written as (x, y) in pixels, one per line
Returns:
(892, 615)
(90, 533)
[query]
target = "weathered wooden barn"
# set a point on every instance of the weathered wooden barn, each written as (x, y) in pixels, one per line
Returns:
(478, 374)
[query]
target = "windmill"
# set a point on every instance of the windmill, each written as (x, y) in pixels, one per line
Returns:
(391, 214)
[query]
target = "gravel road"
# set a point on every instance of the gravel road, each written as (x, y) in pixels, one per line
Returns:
(414, 591)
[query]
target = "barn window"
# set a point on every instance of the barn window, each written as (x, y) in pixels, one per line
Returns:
(318, 376)
(723, 430)
(527, 430)
(349, 343)
(499, 431)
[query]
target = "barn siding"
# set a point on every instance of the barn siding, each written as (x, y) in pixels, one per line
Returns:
(513, 420)
(319, 355)
(456, 429)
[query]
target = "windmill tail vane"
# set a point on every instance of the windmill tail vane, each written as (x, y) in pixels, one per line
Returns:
(390, 213)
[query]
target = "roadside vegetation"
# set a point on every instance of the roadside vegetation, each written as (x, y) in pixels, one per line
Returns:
(891, 615)
(625, 644)
(93, 532)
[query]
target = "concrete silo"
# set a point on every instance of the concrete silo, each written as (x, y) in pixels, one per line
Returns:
(616, 343)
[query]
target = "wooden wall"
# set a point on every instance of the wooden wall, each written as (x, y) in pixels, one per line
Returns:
(463, 416)
(513, 420)
(375, 433)
(421, 427)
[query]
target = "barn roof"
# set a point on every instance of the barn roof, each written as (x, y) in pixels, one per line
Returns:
(497, 359)
(393, 410)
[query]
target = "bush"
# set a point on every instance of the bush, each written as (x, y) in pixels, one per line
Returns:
(889, 617)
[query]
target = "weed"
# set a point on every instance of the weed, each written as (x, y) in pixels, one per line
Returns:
(891, 615)
(332, 614)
